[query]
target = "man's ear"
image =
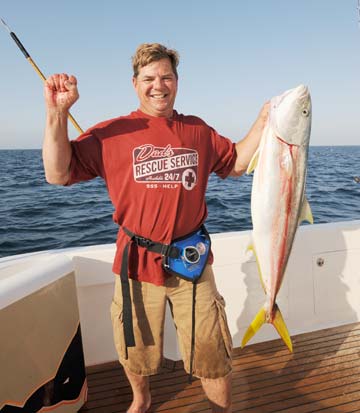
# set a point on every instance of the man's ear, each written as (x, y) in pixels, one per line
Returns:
(134, 81)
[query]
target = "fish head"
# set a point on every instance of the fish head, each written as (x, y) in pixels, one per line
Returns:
(290, 116)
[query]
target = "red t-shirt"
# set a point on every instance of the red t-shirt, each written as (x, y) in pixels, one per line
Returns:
(156, 171)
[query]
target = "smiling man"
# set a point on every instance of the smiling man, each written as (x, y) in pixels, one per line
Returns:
(156, 164)
(156, 87)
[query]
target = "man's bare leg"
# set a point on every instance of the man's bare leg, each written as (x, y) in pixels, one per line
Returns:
(141, 392)
(218, 392)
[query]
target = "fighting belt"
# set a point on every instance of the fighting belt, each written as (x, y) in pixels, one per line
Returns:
(185, 257)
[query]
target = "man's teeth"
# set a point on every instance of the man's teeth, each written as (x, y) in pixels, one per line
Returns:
(158, 96)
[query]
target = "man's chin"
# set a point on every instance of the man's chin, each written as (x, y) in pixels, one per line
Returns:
(163, 110)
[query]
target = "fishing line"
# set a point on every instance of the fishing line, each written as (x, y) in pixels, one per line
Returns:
(34, 65)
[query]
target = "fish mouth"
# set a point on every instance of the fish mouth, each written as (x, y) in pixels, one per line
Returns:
(301, 90)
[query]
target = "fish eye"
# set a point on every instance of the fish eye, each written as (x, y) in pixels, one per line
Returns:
(305, 112)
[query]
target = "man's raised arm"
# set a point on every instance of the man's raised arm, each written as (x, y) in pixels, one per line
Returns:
(60, 94)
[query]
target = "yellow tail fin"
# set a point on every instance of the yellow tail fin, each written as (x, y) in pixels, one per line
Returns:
(255, 325)
(278, 322)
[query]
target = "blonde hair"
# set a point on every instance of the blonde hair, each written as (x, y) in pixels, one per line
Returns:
(147, 53)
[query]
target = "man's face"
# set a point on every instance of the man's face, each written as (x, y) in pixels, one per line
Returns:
(156, 87)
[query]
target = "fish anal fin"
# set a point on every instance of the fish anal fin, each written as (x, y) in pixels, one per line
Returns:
(255, 325)
(306, 214)
(280, 326)
(251, 247)
(253, 162)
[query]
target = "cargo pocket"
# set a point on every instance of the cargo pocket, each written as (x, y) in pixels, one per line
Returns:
(118, 329)
(225, 332)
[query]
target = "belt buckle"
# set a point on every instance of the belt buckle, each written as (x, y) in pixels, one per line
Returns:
(143, 242)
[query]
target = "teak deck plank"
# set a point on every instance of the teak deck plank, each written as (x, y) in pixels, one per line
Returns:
(321, 375)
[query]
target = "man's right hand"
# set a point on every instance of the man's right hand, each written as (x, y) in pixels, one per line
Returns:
(61, 92)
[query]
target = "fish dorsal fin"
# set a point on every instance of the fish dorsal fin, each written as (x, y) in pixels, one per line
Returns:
(306, 214)
(254, 161)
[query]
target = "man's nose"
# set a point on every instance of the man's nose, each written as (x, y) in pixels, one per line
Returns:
(158, 82)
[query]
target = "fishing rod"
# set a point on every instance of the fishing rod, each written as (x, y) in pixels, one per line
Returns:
(37, 70)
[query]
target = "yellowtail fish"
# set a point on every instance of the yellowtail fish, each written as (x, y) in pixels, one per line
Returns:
(278, 202)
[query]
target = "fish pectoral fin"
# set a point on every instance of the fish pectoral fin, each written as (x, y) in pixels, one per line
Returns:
(254, 161)
(255, 325)
(279, 323)
(306, 214)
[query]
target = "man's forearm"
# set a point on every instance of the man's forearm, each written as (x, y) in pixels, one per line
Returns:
(246, 148)
(56, 148)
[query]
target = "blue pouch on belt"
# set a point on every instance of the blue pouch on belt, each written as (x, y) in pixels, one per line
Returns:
(193, 252)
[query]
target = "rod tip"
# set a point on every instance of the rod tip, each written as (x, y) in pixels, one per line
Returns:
(5, 25)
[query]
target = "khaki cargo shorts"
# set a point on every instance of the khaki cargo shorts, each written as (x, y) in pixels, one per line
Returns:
(213, 344)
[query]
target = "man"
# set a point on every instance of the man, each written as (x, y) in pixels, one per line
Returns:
(156, 164)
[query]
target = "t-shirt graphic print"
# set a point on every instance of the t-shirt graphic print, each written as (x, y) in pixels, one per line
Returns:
(165, 165)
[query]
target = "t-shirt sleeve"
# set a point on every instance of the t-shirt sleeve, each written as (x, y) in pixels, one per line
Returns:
(223, 154)
(86, 161)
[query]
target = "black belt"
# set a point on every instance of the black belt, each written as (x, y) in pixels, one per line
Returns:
(166, 250)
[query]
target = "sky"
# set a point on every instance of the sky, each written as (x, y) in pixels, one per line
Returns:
(234, 56)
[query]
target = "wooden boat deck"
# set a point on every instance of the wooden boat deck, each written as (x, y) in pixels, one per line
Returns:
(322, 375)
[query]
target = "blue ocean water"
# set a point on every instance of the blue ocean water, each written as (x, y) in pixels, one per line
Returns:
(37, 216)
